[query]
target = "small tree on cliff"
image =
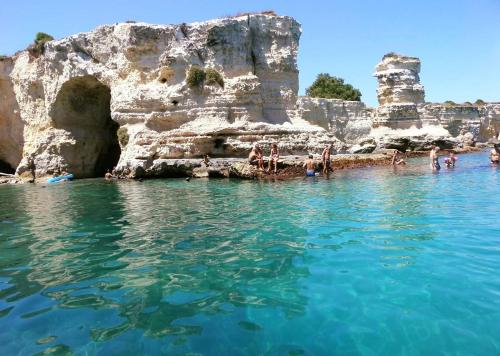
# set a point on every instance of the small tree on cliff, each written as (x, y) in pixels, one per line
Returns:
(38, 46)
(326, 86)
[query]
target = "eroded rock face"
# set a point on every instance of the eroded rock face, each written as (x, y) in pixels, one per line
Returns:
(483, 121)
(63, 109)
(134, 74)
(11, 126)
(402, 109)
(348, 121)
(398, 80)
(399, 91)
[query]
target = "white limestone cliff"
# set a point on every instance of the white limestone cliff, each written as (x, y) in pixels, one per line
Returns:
(72, 98)
(403, 110)
(399, 91)
(61, 110)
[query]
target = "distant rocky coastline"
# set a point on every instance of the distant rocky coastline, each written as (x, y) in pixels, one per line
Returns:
(139, 96)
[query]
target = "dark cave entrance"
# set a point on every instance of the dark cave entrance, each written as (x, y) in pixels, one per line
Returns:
(6, 168)
(82, 108)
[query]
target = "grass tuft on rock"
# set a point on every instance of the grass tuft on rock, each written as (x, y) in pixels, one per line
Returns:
(212, 77)
(123, 136)
(38, 46)
(196, 77)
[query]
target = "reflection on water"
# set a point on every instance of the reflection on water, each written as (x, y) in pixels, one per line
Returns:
(371, 261)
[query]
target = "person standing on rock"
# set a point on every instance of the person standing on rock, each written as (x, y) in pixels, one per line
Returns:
(273, 158)
(256, 157)
(435, 166)
(326, 159)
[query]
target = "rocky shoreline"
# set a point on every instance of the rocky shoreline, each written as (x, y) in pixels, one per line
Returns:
(123, 96)
(239, 168)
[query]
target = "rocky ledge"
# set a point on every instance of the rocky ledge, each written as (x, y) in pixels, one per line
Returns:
(288, 166)
(136, 96)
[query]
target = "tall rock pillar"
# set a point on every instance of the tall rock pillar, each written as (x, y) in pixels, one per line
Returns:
(399, 91)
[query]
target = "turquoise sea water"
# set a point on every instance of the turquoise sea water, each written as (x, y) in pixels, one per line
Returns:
(377, 261)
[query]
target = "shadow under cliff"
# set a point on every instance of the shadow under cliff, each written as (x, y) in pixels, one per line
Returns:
(82, 108)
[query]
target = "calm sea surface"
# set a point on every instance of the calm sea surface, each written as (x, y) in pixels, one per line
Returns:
(374, 261)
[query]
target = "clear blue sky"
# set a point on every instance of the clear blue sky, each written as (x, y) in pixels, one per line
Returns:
(458, 41)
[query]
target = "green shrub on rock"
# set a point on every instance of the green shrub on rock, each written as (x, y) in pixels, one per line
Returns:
(480, 102)
(123, 137)
(213, 77)
(41, 39)
(329, 87)
(450, 103)
(196, 77)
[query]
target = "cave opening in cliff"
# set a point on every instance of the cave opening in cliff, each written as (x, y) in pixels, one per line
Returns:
(11, 129)
(82, 109)
(6, 168)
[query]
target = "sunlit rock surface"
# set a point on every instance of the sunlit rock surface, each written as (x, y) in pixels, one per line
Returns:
(62, 110)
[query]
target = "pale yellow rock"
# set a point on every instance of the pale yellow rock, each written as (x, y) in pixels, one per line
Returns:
(62, 110)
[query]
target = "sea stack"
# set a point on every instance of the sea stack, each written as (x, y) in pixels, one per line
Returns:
(399, 91)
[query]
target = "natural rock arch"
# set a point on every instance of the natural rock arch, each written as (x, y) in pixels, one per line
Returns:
(82, 108)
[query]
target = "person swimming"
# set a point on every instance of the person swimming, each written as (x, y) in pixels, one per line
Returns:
(435, 166)
(495, 154)
(309, 165)
(450, 160)
(397, 160)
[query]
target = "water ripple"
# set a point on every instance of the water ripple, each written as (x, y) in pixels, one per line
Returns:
(372, 261)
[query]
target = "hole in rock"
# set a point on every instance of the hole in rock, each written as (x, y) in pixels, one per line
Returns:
(163, 80)
(82, 108)
(175, 102)
(6, 168)
(218, 143)
(11, 129)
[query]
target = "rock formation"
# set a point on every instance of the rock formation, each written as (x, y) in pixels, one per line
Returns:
(399, 91)
(133, 76)
(418, 124)
(135, 95)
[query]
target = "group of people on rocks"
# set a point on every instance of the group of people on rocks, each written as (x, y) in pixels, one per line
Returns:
(256, 157)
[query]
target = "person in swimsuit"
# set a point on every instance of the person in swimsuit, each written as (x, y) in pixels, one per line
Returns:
(435, 166)
(206, 160)
(397, 159)
(274, 157)
(309, 165)
(495, 154)
(256, 157)
(326, 159)
(450, 160)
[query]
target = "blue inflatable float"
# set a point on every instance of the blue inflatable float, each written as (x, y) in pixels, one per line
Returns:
(63, 178)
